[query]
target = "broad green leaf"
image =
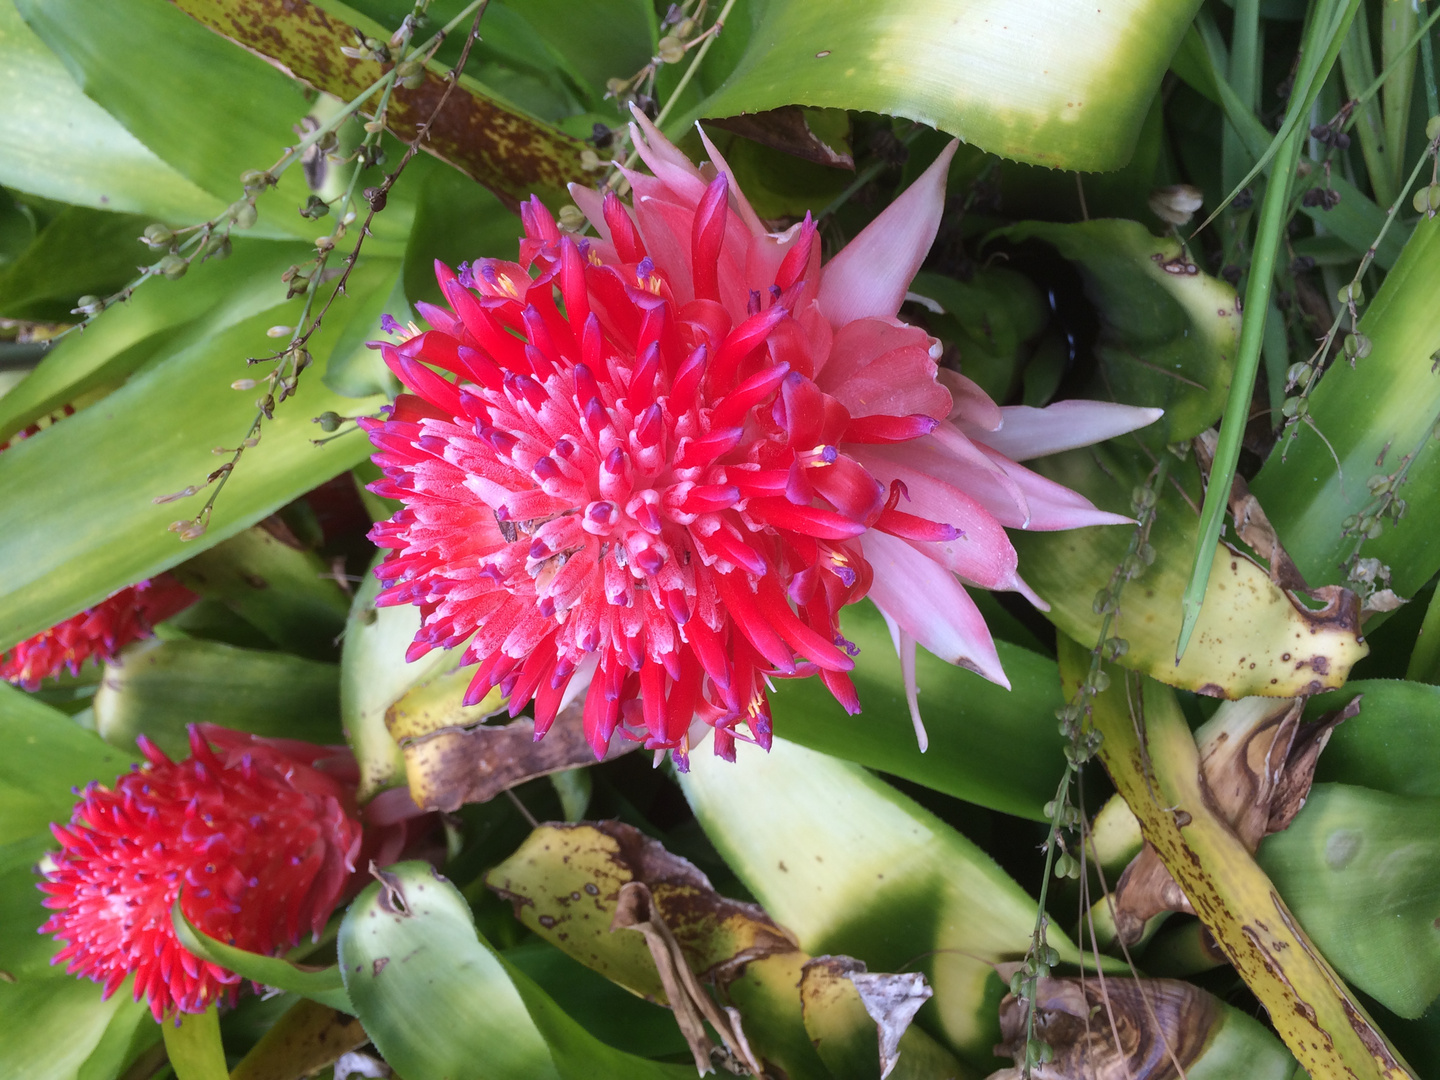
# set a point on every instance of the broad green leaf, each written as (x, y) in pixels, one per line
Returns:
(159, 687)
(128, 55)
(212, 297)
(995, 747)
(81, 251)
(438, 1002)
(598, 41)
(374, 675)
(851, 866)
(47, 755)
(193, 1046)
(1168, 332)
(79, 495)
(1064, 84)
(456, 220)
(50, 1026)
(507, 151)
(1391, 745)
(1361, 871)
(607, 1010)
(323, 985)
(1252, 637)
(285, 591)
(86, 158)
(1384, 409)
(993, 320)
(306, 1038)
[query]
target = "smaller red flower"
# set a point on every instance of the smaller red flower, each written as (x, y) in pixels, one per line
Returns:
(263, 836)
(100, 631)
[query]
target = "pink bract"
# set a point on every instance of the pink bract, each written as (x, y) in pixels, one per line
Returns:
(669, 482)
(262, 835)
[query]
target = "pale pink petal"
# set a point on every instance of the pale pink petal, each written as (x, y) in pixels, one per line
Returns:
(738, 202)
(930, 605)
(1019, 585)
(592, 205)
(871, 273)
(984, 555)
(1027, 433)
(972, 406)
(883, 367)
(947, 454)
(905, 649)
(664, 159)
(1052, 506)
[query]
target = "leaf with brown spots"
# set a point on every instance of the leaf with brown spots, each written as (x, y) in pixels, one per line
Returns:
(574, 885)
(512, 154)
(1257, 761)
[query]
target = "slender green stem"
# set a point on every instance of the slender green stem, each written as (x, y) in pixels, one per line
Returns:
(1327, 30)
(1268, 234)
(1422, 36)
(1427, 65)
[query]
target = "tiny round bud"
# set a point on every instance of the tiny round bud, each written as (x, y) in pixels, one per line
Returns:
(173, 266)
(1357, 346)
(1298, 374)
(244, 215)
(243, 384)
(88, 305)
(571, 218)
(590, 161)
(614, 87)
(1427, 200)
(1353, 293)
(328, 421)
(255, 180)
(157, 236)
(1432, 128)
(671, 49)
(685, 28)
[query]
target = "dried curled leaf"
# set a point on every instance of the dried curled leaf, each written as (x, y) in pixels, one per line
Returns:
(1257, 761)
(453, 757)
(1125, 1029)
(573, 884)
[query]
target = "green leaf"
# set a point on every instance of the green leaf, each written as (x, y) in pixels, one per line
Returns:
(1383, 747)
(48, 755)
(1247, 619)
(1168, 333)
(80, 252)
(285, 591)
(211, 298)
(851, 866)
(993, 320)
(598, 41)
(1383, 409)
(1061, 85)
(437, 1000)
(994, 747)
(57, 143)
(324, 985)
(129, 55)
(159, 687)
(192, 1044)
(1361, 871)
(456, 220)
(374, 675)
(79, 495)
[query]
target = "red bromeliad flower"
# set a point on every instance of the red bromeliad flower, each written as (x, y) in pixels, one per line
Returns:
(100, 631)
(669, 480)
(262, 834)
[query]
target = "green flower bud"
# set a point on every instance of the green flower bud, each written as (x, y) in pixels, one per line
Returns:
(244, 215)
(1432, 128)
(157, 236)
(671, 49)
(173, 266)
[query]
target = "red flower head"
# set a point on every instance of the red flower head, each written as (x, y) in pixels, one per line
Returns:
(261, 834)
(663, 460)
(100, 631)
